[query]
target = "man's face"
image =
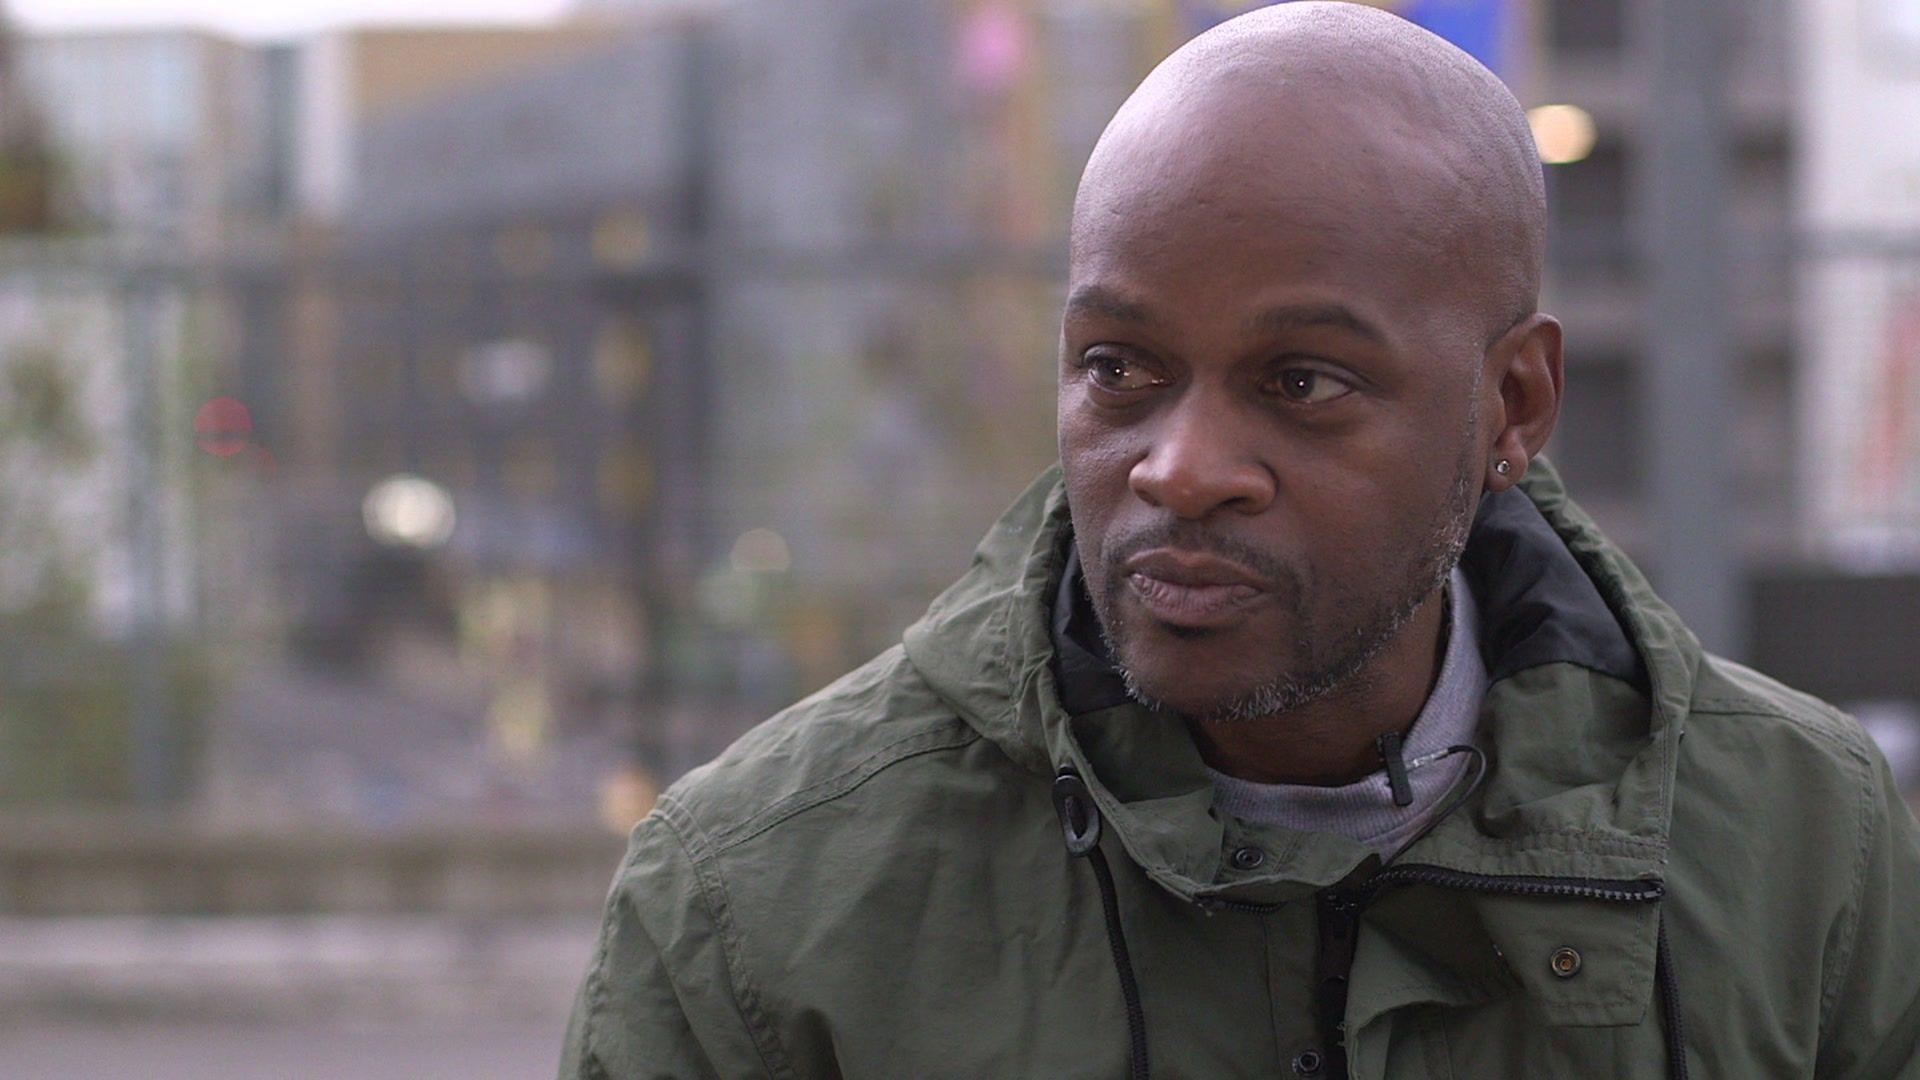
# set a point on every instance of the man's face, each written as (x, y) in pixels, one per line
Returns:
(1267, 397)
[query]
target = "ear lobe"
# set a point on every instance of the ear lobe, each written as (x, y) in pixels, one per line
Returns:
(1526, 362)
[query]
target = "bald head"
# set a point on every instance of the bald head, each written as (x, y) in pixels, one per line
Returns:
(1336, 118)
(1299, 341)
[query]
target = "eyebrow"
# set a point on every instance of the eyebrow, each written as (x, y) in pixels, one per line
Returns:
(1305, 316)
(1096, 300)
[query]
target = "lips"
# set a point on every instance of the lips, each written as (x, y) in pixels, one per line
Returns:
(1193, 589)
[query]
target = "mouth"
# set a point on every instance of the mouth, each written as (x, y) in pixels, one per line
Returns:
(1188, 589)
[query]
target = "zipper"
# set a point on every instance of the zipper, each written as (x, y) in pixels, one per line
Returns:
(1606, 889)
(1339, 919)
(1367, 891)
(1333, 962)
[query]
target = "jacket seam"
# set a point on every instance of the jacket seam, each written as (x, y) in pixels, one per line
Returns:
(1721, 706)
(1585, 835)
(1809, 722)
(1849, 749)
(1849, 936)
(839, 784)
(746, 1001)
(1568, 841)
(1448, 982)
(597, 991)
(1630, 996)
(1439, 1047)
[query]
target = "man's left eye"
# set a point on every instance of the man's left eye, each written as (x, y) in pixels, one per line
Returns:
(1309, 387)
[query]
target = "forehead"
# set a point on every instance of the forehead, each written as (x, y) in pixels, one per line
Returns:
(1234, 211)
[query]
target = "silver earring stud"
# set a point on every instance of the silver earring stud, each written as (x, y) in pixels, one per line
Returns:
(1503, 466)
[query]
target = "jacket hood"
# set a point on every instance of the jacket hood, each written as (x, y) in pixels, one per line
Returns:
(1591, 679)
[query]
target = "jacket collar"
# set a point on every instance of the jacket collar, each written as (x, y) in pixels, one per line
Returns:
(1591, 678)
(1538, 607)
(1566, 620)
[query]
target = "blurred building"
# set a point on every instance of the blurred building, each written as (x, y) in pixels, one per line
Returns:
(1858, 198)
(161, 156)
(1592, 59)
(501, 299)
(835, 232)
(726, 328)
(630, 305)
(159, 133)
(155, 154)
(348, 78)
(1842, 622)
(26, 160)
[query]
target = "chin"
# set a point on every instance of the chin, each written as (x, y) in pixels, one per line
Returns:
(1180, 689)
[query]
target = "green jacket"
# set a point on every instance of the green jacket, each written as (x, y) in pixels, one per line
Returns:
(1668, 850)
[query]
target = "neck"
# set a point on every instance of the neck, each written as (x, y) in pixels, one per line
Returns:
(1331, 740)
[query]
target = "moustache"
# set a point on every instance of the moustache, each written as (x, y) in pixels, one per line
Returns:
(1276, 571)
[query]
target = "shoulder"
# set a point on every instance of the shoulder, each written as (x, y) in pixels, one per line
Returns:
(1779, 767)
(875, 719)
(833, 813)
(1789, 828)
(1770, 776)
(1738, 709)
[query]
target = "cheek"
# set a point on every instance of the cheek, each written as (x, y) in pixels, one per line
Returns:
(1372, 529)
(1353, 521)
(1094, 463)
(1095, 457)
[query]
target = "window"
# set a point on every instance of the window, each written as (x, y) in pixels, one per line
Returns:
(1598, 440)
(1587, 25)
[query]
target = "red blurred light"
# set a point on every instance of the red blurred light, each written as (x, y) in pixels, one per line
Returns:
(223, 427)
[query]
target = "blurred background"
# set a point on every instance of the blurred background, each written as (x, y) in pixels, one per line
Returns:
(421, 441)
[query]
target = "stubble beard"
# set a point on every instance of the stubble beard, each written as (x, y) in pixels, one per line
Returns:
(1348, 664)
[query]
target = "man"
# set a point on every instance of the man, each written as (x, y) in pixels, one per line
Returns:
(1299, 724)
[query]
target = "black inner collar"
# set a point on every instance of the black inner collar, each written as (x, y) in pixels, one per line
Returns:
(1537, 606)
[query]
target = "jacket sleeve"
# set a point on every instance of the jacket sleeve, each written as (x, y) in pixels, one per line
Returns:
(1870, 1026)
(657, 1000)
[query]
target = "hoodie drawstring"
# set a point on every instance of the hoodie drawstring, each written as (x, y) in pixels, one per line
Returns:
(1081, 821)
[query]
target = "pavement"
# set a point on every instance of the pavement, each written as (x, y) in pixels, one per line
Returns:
(280, 1050)
(353, 997)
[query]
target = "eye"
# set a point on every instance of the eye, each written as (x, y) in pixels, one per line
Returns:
(1309, 386)
(1119, 374)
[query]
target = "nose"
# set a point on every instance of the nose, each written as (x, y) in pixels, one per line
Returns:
(1198, 464)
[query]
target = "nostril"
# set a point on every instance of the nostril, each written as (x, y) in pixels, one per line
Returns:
(1193, 478)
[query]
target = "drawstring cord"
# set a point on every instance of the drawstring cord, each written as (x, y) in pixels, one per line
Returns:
(1081, 822)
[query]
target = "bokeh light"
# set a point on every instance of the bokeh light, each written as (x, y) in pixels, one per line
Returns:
(223, 427)
(1564, 133)
(761, 551)
(409, 511)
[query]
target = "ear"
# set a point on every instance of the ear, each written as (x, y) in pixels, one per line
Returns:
(1523, 383)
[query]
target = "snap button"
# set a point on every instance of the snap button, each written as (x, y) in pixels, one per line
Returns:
(1247, 858)
(1565, 962)
(1308, 1062)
